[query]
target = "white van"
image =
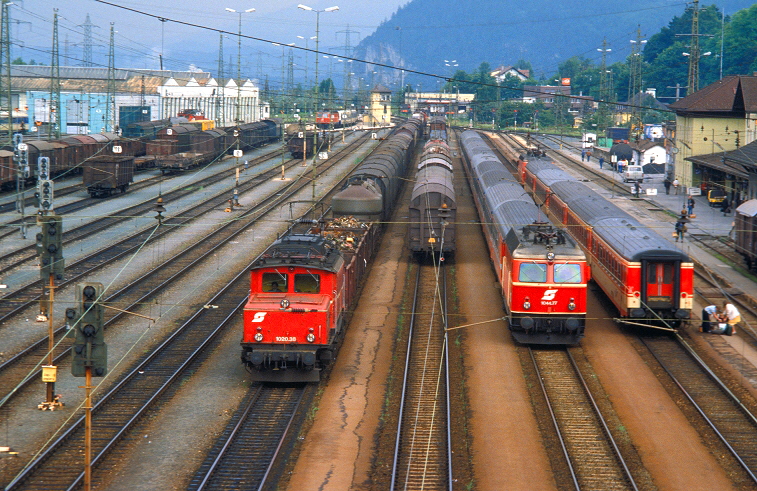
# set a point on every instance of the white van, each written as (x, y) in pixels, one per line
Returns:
(633, 173)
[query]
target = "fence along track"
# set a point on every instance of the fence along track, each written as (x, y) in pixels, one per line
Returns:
(591, 453)
(422, 457)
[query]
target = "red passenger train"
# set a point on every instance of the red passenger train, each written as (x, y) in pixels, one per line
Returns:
(649, 280)
(542, 272)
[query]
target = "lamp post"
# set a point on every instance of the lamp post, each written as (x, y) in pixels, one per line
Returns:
(317, 40)
(239, 61)
(306, 53)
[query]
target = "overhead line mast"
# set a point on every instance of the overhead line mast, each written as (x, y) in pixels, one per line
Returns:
(54, 107)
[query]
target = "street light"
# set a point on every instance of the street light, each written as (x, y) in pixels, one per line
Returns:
(317, 40)
(239, 61)
(306, 53)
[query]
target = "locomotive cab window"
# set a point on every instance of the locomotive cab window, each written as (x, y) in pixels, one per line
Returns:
(533, 273)
(307, 283)
(274, 283)
(567, 273)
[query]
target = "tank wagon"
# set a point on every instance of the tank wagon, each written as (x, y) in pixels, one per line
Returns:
(372, 188)
(649, 280)
(542, 272)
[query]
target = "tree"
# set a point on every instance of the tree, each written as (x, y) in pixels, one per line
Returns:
(740, 42)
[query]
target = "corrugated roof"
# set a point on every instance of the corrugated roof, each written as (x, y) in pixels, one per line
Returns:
(101, 73)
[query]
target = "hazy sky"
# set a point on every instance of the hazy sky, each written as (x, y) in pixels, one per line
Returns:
(140, 38)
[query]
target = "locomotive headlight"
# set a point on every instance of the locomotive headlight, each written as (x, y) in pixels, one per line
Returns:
(310, 337)
(527, 303)
(258, 336)
(572, 304)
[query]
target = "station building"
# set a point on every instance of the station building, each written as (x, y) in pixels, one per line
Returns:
(714, 131)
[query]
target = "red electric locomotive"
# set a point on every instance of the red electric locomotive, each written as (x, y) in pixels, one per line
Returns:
(542, 272)
(325, 119)
(300, 291)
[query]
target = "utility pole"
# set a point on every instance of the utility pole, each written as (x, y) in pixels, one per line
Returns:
(220, 113)
(694, 53)
(111, 97)
(635, 85)
(6, 101)
(54, 108)
(604, 86)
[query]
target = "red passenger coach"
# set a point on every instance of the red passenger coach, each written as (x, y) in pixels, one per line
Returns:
(649, 280)
(301, 289)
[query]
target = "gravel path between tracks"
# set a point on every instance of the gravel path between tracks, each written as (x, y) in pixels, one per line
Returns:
(337, 451)
(507, 447)
(670, 448)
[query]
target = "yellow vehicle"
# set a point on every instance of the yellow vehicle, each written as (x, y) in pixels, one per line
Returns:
(715, 197)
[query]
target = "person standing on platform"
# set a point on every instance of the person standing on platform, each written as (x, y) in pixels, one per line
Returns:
(583, 154)
(690, 204)
(725, 207)
(667, 184)
(601, 161)
(588, 156)
(680, 229)
(676, 184)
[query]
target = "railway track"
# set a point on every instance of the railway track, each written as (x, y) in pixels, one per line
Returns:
(25, 254)
(22, 368)
(594, 460)
(72, 207)
(423, 456)
(249, 449)
(722, 411)
(152, 380)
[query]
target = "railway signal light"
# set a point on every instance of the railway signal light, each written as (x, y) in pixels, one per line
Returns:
(50, 247)
(43, 168)
(45, 189)
(89, 348)
(160, 209)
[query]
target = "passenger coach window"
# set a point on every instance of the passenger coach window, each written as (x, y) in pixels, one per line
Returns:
(567, 273)
(307, 283)
(274, 282)
(533, 273)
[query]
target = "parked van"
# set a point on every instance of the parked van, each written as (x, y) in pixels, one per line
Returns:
(633, 173)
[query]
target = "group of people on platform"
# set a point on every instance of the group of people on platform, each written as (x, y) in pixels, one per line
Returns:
(720, 321)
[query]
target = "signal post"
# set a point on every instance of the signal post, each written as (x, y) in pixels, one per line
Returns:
(52, 265)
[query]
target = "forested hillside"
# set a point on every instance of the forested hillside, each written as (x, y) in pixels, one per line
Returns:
(424, 33)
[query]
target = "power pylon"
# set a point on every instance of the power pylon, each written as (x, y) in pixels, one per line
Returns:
(88, 41)
(347, 77)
